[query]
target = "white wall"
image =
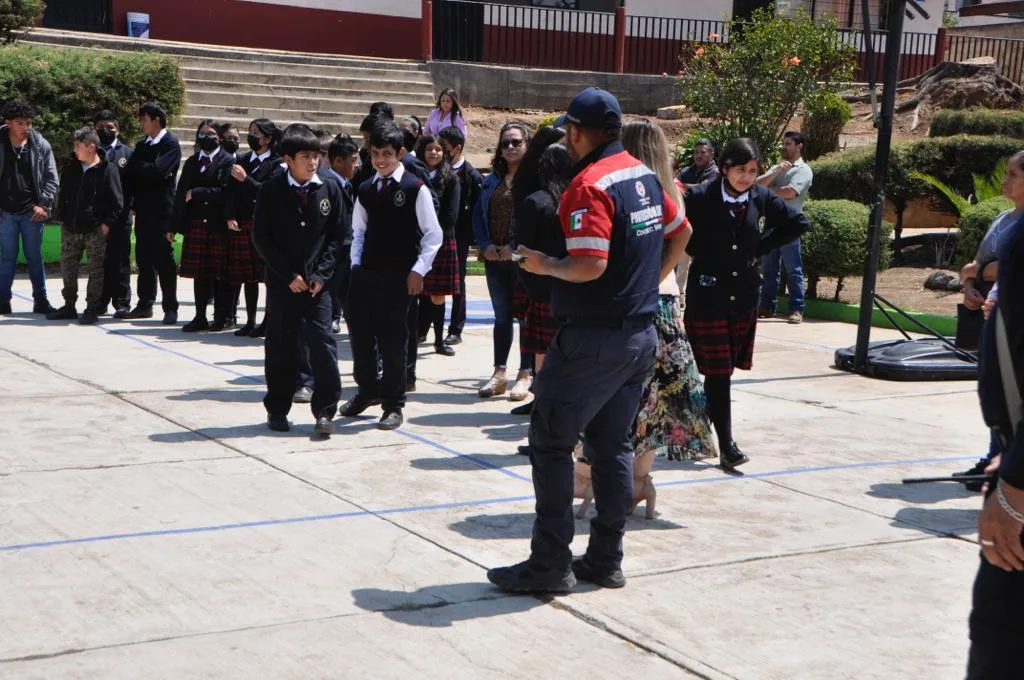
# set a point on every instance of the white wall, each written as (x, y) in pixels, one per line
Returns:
(715, 10)
(394, 8)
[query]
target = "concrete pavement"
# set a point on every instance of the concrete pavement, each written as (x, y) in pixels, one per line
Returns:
(150, 525)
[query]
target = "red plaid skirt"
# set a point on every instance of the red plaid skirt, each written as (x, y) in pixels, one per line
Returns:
(538, 329)
(443, 278)
(520, 301)
(204, 255)
(244, 264)
(722, 345)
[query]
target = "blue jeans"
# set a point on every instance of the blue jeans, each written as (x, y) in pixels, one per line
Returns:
(31, 238)
(790, 256)
(502, 279)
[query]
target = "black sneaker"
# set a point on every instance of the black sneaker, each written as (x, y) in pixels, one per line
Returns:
(5, 307)
(606, 578)
(88, 318)
(732, 458)
(453, 339)
(170, 318)
(391, 420)
(526, 578)
(765, 313)
(43, 307)
(357, 404)
(446, 350)
(121, 313)
(324, 426)
(196, 325)
(278, 423)
(65, 313)
(978, 469)
(303, 395)
(140, 312)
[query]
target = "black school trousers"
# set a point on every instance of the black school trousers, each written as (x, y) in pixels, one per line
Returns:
(155, 257)
(997, 625)
(458, 321)
(293, 319)
(378, 311)
(117, 268)
(339, 284)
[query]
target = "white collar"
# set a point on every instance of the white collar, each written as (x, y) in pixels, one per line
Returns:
(726, 198)
(456, 166)
(211, 156)
(396, 175)
(156, 140)
(316, 181)
(262, 157)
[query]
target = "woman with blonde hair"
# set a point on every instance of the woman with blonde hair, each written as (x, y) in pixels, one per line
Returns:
(673, 418)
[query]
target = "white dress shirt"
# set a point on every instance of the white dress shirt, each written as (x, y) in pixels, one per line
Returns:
(430, 228)
(156, 140)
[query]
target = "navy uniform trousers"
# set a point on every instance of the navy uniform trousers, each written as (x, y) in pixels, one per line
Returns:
(294, 320)
(378, 312)
(591, 383)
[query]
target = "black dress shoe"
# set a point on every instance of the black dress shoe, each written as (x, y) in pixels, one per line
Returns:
(357, 404)
(524, 450)
(523, 409)
(446, 350)
(88, 318)
(102, 311)
(43, 307)
(245, 330)
(606, 578)
(526, 578)
(278, 423)
(121, 313)
(195, 325)
(732, 458)
(391, 420)
(260, 331)
(453, 339)
(324, 426)
(5, 307)
(140, 312)
(410, 386)
(303, 395)
(65, 313)
(170, 318)
(423, 339)
(220, 325)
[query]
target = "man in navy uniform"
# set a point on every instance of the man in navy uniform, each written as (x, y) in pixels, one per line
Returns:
(117, 263)
(997, 616)
(615, 217)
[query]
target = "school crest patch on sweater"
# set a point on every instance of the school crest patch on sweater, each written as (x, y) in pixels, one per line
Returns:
(325, 207)
(399, 198)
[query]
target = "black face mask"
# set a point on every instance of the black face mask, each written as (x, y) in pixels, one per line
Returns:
(207, 142)
(230, 145)
(254, 142)
(107, 136)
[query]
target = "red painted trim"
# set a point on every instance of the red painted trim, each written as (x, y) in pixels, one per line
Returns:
(620, 38)
(230, 22)
(427, 31)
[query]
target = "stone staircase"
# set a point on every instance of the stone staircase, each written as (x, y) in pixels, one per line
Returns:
(237, 85)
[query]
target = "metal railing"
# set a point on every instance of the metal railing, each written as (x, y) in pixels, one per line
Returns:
(1008, 53)
(657, 44)
(917, 53)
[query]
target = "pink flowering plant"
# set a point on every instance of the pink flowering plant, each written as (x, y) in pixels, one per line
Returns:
(754, 85)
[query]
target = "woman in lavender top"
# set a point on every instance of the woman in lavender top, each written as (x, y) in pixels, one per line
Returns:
(447, 113)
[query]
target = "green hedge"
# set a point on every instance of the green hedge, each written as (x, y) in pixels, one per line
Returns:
(835, 246)
(974, 223)
(948, 122)
(824, 120)
(954, 160)
(68, 86)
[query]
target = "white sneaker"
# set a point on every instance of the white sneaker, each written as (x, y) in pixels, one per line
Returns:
(796, 317)
(521, 388)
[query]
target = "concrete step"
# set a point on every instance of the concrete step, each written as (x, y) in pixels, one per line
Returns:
(368, 69)
(52, 37)
(222, 114)
(338, 82)
(185, 127)
(310, 100)
(372, 92)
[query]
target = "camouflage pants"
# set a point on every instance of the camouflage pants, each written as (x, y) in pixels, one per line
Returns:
(72, 245)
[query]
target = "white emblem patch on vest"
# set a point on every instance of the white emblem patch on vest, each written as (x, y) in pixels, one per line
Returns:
(641, 190)
(325, 207)
(122, 162)
(760, 224)
(399, 198)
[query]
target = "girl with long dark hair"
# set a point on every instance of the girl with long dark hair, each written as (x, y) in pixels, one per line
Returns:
(447, 113)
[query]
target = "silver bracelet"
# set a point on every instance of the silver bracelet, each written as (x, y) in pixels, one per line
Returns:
(1010, 510)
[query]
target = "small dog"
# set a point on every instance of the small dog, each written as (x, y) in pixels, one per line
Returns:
(643, 483)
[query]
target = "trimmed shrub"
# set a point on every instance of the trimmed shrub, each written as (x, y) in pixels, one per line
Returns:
(545, 122)
(18, 14)
(952, 160)
(67, 88)
(824, 120)
(836, 245)
(948, 122)
(974, 223)
(718, 135)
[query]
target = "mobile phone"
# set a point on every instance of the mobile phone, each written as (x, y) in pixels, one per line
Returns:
(518, 257)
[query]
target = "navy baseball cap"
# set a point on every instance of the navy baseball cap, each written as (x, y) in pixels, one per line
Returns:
(593, 108)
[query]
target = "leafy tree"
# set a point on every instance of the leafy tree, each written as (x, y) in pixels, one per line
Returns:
(18, 14)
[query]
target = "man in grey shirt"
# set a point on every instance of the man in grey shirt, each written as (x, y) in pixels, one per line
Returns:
(791, 180)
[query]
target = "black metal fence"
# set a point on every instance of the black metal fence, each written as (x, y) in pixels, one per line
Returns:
(917, 54)
(657, 44)
(80, 15)
(1008, 53)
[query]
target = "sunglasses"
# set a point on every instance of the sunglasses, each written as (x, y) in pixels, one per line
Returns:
(514, 143)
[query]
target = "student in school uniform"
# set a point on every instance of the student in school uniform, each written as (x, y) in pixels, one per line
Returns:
(245, 266)
(395, 238)
(443, 279)
(117, 260)
(470, 182)
(297, 231)
(152, 175)
(342, 165)
(735, 222)
(90, 201)
(199, 215)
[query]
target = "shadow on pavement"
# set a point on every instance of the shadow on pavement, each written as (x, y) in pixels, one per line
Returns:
(520, 525)
(443, 605)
